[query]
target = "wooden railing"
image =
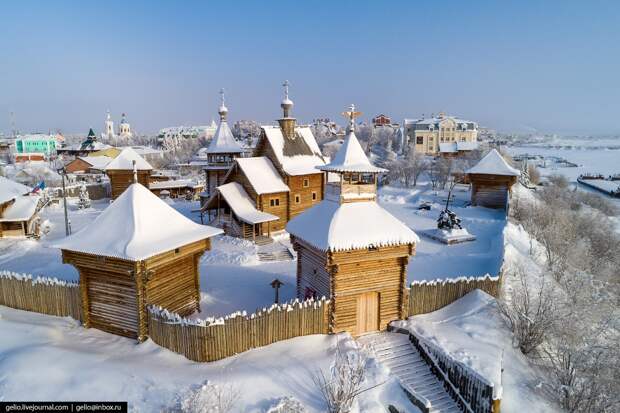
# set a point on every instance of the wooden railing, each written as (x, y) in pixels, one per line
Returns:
(214, 339)
(40, 294)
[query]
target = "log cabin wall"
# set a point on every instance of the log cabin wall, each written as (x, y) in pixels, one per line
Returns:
(108, 291)
(122, 179)
(115, 292)
(312, 276)
(275, 204)
(302, 189)
(215, 178)
(376, 270)
(490, 191)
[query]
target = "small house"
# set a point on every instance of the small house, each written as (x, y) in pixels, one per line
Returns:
(352, 250)
(177, 188)
(138, 252)
(221, 152)
(121, 171)
(19, 210)
(253, 200)
(491, 181)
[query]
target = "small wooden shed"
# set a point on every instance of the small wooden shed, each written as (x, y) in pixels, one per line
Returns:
(18, 210)
(121, 171)
(138, 252)
(491, 181)
(350, 249)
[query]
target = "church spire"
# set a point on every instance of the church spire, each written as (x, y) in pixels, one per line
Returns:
(287, 123)
(287, 104)
(223, 110)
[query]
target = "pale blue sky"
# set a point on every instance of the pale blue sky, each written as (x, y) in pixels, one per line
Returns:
(548, 65)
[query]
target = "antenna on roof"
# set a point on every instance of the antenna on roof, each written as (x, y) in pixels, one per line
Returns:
(135, 172)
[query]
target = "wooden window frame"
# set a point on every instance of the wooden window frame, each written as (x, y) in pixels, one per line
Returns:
(314, 196)
(306, 183)
(297, 198)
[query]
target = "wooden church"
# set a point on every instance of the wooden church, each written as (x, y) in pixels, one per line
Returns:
(138, 252)
(352, 250)
(260, 194)
(121, 171)
(221, 152)
(491, 181)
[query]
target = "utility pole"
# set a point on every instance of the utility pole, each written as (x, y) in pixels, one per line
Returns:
(63, 172)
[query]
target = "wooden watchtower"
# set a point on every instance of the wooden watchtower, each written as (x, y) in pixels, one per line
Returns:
(491, 181)
(350, 249)
(138, 252)
(121, 171)
(222, 151)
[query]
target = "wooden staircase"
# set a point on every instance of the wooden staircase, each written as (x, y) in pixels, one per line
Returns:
(274, 252)
(425, 390)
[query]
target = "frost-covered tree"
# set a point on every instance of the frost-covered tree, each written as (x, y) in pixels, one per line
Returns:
(530, 310)
(287, 405)
(407, 170)
(344, 381)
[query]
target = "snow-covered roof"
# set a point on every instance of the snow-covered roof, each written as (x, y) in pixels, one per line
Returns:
(493, 164)
(331, 226)
(242, 205)
(303, 158)
(466, 146)
(223, 141)
(124, 161)
(178, 183)
(136, 219)
(262, 175)
(11, 189)
(447, 147)
(22, 209)
(351, 158)
(97, 162)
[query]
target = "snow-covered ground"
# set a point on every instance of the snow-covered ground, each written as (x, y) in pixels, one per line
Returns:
(434, 259)
(53, 358)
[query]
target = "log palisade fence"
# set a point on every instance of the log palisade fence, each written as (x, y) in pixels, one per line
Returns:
(214, 339)
(429, 296)
(44, 295)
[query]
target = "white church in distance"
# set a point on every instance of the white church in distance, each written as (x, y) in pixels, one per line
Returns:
(124, 129)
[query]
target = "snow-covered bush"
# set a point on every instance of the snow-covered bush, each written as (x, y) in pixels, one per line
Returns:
(341, 385)
(530, 311)
(209, 398)
(287, 405)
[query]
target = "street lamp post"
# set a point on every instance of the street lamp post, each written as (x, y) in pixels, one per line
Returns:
(276, 284)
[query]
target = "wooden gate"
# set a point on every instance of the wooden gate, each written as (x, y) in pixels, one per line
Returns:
(112, 302)
(367, 312)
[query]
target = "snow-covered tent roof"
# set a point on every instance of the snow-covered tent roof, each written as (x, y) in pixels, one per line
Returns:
(131, 228)
(223, 141)
(11, 189)
(124, 161)
(262, 175)
(331, 226)
(242, 205)
(299, 158)
(22, 209)
(351, 158)
(493, 164)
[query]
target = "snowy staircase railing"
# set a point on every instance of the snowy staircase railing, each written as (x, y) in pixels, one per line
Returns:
(472, 391)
